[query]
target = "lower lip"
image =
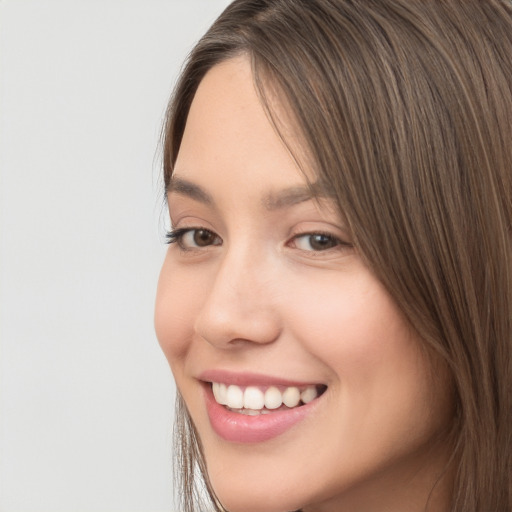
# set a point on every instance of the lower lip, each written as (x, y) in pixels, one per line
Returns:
(241, 428)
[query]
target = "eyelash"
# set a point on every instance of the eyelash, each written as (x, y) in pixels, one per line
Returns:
(177, 235)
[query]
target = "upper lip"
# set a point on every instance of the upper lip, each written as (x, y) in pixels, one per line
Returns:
(250, 379)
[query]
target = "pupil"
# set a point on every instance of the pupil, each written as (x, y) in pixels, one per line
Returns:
(202, 238)
(319, 242)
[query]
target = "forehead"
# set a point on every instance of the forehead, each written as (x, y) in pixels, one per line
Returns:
(228, 126)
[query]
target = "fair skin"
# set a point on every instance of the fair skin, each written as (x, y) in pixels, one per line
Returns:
(264, 286)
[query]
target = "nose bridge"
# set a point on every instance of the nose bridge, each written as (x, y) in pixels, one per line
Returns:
(239, 304)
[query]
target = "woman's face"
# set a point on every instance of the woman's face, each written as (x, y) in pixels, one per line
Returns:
(263, 298)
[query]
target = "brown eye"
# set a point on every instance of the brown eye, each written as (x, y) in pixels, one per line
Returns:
(203, 237)
(316, 242)
(196, 238)
(193, 238)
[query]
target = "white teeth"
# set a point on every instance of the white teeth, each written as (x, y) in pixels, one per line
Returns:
(253, 398)
(220, 392)
(223, 392)
(291, 397)
(247, 412)
(273, 398)
(308, 394)
(235, 397)
(250, 412)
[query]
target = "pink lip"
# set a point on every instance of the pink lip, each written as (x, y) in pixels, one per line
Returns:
(249, 379)
(241, 428)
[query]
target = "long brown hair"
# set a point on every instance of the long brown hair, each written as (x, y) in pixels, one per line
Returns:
(405, 108)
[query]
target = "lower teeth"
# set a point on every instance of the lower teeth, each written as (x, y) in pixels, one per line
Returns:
(257, 412)
(250, 412)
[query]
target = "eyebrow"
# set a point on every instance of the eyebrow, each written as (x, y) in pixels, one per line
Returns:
(188, 189)
(272, 201)
(295, 195)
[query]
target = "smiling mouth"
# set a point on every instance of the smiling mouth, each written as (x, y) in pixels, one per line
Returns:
(257, 400)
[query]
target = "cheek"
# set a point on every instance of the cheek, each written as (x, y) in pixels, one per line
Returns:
(353, 324)
(175, 309)
(375, 361)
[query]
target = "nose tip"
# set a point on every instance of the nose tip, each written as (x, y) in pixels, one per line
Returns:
(238, 308)
(227, 327)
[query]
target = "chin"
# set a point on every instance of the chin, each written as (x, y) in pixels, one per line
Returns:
(259, 503)
(258, 497)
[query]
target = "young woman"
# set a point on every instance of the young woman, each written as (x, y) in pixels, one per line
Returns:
(336, 300)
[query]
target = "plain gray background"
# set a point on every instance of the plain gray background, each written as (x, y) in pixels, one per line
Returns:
(86, 396)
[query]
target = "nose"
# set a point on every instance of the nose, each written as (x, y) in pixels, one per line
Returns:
(240, 306)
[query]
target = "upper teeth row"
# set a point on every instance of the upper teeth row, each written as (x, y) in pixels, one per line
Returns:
(253, 397)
